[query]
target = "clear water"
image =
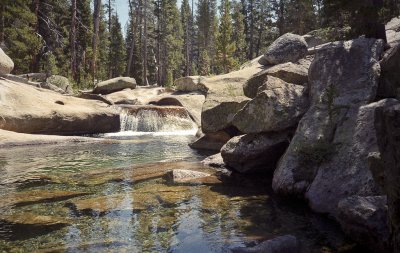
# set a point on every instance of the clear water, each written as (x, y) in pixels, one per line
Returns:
(188, 218)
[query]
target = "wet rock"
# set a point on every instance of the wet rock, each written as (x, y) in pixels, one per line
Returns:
(6, 64)
(115, 84)
(219, 111)
(215, 161)
(364, 219)
(254, 152)
(102, 246)
(191, 177)
(136, 201)
(211, 141)
(27, 224)
(387, 122)
(279, 106)
(191, 83)
(281, 244)
(287, 48)
(343, 77)
(37, 196)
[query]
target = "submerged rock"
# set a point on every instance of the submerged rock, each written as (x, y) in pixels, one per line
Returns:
(192, 177)
(287, 48)
(115, 84)
(281, 244)
(37, 196)
(254, 152)
(364, 219)
(279, 106)
(25, 225)
(343, 77)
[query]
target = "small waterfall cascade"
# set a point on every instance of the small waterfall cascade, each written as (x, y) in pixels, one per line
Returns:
(150, 118)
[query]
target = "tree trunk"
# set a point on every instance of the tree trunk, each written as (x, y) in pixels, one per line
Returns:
(96, 23)
(133, 30)
(145, 82)
(73, 40)
(109, 30)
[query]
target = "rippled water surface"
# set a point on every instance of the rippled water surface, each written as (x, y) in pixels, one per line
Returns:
(112, 197)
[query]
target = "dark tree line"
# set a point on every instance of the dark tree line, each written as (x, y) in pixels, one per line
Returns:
(83, 39)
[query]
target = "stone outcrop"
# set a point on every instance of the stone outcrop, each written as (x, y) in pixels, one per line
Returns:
(364, 219)
(290, 72)
(219, 111)
(211, 141)
(333, 139)
(255, 152)
(278, 107)
(250, 88)
(27, 109)
(6, 64)
(387, 122)
(191, 83)
(61, 82)
(115, 84)
(393, 31)
(287, 48)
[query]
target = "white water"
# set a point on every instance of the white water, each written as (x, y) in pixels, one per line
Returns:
(155, 121)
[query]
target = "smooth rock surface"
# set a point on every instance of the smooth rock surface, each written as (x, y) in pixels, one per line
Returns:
(250, 88)
(343, 77)
(287, 48)
(290, 72)
(191, 83)
(364, 219)
(115, 84)
(6, 64)
(255, 152)
(279, 106)
(27, 109)
(179, 176)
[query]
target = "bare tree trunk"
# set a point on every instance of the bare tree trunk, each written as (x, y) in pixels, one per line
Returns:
(109, 30)
(3, 23)
(73, 40)
(96, 23)
(145, 82)
(251, 46)
(133, 30)
(187, 63)
(281, 17)
(36, 57)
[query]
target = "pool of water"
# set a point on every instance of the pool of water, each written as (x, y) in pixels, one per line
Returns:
(100, 198)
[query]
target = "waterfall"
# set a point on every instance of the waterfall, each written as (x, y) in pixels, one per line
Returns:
(159, 119)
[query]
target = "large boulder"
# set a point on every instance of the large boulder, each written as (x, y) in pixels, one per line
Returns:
(190, 83)
(255, 152)
(6, 64)
(115, 84)
(387, 122)
(219, 111)
(389, 85)
(287, 48)
(327, 143)
(27, 109)
(364, 219)
(393, 31)
(250, 88)
(347, 172)
(279, 106)
(61, 82)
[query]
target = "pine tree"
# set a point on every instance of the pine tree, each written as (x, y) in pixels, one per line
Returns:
(187, 24)
(225, 44)
(239, 32)
(117, 48)
(19, 26)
